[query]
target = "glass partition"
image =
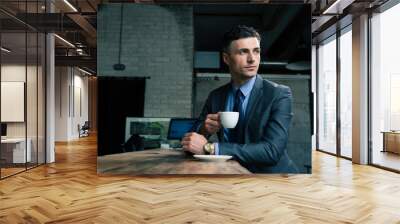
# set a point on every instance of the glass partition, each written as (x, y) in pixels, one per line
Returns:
(22, 87)
(41, 91)
(31, 100)
(14, 151)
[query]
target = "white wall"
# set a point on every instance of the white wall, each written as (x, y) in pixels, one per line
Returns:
(33, 126)
(16, 73)
(80, 103)
(71, 102)
(62, 81)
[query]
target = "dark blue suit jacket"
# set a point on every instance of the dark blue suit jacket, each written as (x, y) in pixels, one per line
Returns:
(268, 117)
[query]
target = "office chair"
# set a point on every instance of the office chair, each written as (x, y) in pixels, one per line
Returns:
(84, 130)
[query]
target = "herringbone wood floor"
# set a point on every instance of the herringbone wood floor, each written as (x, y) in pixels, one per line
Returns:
(70, 191)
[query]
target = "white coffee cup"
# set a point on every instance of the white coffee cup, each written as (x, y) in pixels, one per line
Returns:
(229, 119)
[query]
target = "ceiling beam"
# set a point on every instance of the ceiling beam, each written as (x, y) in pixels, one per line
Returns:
(81, 21)
(337, 7)
(85, 61)
(84, 24)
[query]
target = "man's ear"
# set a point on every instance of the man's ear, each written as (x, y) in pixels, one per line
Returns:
(225, 57)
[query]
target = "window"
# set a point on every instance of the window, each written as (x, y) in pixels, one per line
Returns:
(346, 92)
(327, 96)
(385, 85)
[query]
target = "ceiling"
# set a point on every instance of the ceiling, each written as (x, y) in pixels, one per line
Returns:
(77, 25)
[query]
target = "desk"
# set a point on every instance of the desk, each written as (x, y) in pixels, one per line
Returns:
(391, 141)
(16, 147)
(163, 161)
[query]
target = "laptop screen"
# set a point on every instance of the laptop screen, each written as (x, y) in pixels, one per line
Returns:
(178, 127)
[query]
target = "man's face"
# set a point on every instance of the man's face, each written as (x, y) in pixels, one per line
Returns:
(243, 58)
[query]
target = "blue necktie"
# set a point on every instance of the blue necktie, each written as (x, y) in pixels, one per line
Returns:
(238, 107)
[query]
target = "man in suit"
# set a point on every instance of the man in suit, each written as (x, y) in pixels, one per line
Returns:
(258, 142)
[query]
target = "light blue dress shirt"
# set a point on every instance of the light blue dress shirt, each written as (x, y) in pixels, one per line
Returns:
(230, 102)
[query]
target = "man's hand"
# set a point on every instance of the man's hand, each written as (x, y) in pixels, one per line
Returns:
(194, 143)
(212, 124)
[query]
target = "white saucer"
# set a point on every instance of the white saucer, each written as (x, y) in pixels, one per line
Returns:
(213, 157)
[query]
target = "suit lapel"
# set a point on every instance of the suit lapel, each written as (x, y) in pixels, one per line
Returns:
(221, 105)
(255, 96)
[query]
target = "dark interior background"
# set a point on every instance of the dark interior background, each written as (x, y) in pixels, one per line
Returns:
(118, 98)
(285, 31)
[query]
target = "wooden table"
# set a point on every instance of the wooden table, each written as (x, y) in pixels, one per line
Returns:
(164, 161)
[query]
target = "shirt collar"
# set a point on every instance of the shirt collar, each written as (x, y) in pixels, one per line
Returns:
(246, 87)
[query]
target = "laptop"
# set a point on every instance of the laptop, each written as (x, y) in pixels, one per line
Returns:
(178, 127)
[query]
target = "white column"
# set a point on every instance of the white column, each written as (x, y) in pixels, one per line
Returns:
(360, 90)
(50, 93)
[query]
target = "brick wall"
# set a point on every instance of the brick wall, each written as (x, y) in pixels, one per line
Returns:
(157, 42)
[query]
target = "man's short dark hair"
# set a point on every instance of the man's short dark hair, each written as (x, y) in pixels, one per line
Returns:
(236, 33)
